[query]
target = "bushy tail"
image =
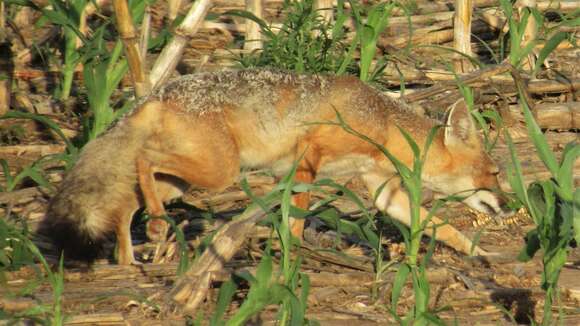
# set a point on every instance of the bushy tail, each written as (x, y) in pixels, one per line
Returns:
(71, 238)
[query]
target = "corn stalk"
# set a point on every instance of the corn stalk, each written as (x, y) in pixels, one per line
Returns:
(253, 40)
(173, 9)
(131, 43)
(171, 54)
(462, 33)
(325, 8)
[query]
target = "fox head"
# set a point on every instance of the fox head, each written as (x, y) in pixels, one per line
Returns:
(464, 168)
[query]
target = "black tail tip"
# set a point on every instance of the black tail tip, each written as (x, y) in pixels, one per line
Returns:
(71, 241)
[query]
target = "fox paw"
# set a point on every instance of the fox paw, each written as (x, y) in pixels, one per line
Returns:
(157, 230)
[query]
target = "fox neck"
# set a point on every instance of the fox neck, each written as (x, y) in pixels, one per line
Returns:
(438, 158)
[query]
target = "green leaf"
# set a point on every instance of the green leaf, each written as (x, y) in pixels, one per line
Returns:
(576, 215)
(540, 143)
(264, 270)
(537, 204)
(305, 290)
(370, 235)
(226, 293)
(45, 121)
(399, 283)
(548, 48)
(36, 176)
(565, 177)
(6, 172)
(532, 246)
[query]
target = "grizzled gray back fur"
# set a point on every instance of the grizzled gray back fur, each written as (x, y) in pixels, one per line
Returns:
(210, 92)
(82, 212)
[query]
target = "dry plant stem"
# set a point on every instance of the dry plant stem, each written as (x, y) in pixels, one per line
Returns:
(444, 16)
(325, 9)
(529, 35)
(495, 18)
(89, 10)
(192, 288)
(462, 34)
(173, 9)
(429, 7)
(24, 17)
(558, 116)
(465, 80)
(144, 39)
(92, 6)
(130, 41)
(20, 196)
(15, 305)
(162, 248)
(253, 37)
(553, 86)
(558, 5)
(429, 35)
(171, 54)
(2, 22)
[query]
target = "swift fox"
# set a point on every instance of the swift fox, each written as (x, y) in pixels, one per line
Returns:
(201, 129)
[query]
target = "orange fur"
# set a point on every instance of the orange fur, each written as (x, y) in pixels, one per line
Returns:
(201, 129)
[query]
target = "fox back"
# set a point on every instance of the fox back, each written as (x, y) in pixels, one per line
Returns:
(201, 129)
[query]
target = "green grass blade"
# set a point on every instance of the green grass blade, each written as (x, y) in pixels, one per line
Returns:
(576, 213)
(398, 284)
(10, 184)
(548, 48)
(540, 143)
(45, 121)
(565, 177)
(225, 296)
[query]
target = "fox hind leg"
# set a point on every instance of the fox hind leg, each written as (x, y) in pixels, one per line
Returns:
(301, 200)
(204, 156)
(305, 173)
(125, 254)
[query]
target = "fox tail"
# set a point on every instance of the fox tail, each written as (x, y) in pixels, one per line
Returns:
(71, 237)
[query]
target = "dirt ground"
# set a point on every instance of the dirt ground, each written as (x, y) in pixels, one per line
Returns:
(466, 290)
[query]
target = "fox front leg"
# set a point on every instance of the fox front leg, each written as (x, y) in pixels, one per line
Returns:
(394, 200)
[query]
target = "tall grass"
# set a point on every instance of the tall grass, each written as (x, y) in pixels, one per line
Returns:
(519, 48)
(368, 31)
(553, 204)
(304, 42)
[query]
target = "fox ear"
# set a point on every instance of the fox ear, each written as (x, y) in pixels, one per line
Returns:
(460, 128)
